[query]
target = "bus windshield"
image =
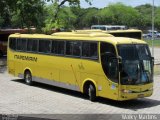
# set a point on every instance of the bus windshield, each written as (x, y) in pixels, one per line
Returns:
(136, 64)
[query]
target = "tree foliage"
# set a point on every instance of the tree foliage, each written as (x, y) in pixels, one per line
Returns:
(30, 12)
(56, 11)
(6, 7)
(119, 14)
(58, 14)
(157, 18)
(145, 14)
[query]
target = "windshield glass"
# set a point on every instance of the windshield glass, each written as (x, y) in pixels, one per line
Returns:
(136, 64)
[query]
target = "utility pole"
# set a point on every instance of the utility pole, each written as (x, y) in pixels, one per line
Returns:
(153, 28)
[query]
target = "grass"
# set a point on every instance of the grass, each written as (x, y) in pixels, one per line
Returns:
(156, 42)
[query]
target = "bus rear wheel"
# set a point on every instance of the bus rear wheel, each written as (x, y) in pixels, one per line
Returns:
(28, 78)
(92, 93)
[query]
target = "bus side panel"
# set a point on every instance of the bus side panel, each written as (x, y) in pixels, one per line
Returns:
(107, 88)
(11, 63)
(69, 72)
(46, 68)
(89, 71)
(14, 65)
(20, 64)
(92, 71)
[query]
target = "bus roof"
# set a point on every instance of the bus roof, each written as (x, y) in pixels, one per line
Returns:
(108, 31)
(86, 37)
(79, 34)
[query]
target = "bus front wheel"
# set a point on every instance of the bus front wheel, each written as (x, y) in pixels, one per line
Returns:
(91, 93)
(28, 78)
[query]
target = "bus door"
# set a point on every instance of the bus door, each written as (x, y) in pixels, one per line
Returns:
(109, 64)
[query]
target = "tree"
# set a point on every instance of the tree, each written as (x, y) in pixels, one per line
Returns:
(157, 18)
(55, 20)
(90, 17)
(121, 14)
(6, 6)
(31, 12)
(59, 3)
(1, 21)
(65, 19)
(20, 13)
(145, 15)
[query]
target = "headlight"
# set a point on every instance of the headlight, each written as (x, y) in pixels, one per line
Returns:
(150, 89)
(126, 91)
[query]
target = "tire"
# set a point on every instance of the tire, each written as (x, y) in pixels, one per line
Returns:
(91, 93)
(28, 78)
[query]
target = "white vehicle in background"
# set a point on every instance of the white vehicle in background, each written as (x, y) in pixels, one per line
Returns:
(158, 34)
(109, 27)
(149, 34)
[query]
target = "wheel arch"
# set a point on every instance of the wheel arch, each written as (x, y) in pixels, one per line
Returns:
(27, 69)
(86, 84)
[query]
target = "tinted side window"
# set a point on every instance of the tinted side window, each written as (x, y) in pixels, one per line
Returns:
(76, 48)
(90, 50)
(106, 47)
(21, 44)
(12, 43)
(58, 47)
(69, 48)
(32, 45)
(44, 46)
(109, 63)
(94, 50)
(73, 48)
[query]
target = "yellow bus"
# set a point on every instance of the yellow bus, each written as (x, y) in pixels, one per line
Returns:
(130, 33)
(96, 64)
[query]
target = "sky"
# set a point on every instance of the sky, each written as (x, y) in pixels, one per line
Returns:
(104, 3)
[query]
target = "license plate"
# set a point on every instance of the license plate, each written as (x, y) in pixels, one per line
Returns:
(141, 95)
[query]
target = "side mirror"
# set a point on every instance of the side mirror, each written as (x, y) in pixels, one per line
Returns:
(113, 67)
(120, 63)
(152, 59)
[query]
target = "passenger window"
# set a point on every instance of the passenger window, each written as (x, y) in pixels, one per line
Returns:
(32, 45)
(44, 46)
(90, 50)
(85, 49)
(12, 43)
(58, 47)
(21, 44)
(76, 48)
(93, 51)
(73, 48)
(69, 48)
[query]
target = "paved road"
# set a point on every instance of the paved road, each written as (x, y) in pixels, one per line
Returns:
(18, 98)
(156, 55)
